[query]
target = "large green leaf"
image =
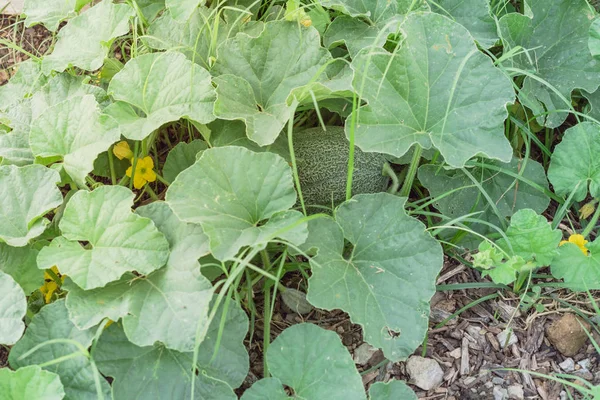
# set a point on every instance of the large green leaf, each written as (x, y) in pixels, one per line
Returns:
(256, 89)
(375, 11)
(76, 373)
(76, 131)
(311, 361)
(436, 90)
(580, 271)
(26, 194)
(20, 263)
(30, 383)
(13, 306)
(119, 241)
(167, 305)
(387, 280)
(85, 41)
(473, 15)
(63, 87)
(392, 390)
(151, 8)
(51, 12)
(157, 373)
(457, 195)
(195, 37)
(531, 237)
(157, 88)
(555, 44)
(575, 164)
(231, 191)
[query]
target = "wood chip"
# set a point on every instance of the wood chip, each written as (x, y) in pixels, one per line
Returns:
(464, 357)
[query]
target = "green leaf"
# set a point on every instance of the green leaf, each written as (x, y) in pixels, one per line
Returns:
(51, 12)
(30, 383)
(76, 131)
(151, 8)
(167, 305)
(28, 79)
(491, 260)
(13, 307)
(386, 282)
(473, 15)
(14, 145)
(574, 164)
(555, 51)
(580, 271)
(392, 390)
(63, 87)
(159, 373)
(86, 40)
(531, 237)
(231, 191)
(458, 196)
(157, 88)
(376, 10)
(182, 9)
(76, 373)
(20, 263)
(256, 89)
(182, 156)
(194, 37)
(26, 194)
(311, 361)
(119, 241)
(436, 90)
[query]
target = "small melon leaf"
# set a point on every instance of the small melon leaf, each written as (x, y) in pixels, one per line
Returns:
(30, 383)
(86, 39)
(26, 194)
(392, 390)
(387, 281)
(313, 362)
(230, 191)
(20, 263)
(13, 306)
(119, 241)
(575, 164)
(181, 157)
(581, 272)
(163, 87)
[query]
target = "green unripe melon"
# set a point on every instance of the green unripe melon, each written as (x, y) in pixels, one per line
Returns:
(322, 159)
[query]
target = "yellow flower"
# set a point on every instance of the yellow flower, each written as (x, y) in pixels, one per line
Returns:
(143, 172)
(122, 150)
(578, 240)
(50, 286)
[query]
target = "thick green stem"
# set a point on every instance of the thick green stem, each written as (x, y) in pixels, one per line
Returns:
(351, 152)
(412, 172)
(267, 327)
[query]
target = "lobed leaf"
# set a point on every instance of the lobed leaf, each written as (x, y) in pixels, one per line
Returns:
(119, 241)
(26, 194)
(30, 383)
(13, 306)
(51, 12)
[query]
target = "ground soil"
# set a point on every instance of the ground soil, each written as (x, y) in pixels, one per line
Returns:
(466, 347)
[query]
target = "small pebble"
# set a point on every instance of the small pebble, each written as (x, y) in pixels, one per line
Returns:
(497, 380)
(456, 353)
(585, 364)
(568, 365)
(516, 392)
(502, 338)
(425, 373)
(363, 353)
(500, 393)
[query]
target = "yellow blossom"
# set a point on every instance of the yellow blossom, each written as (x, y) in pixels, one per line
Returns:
(122, 150)
(578, 240)
(50, 286)
(143, 172)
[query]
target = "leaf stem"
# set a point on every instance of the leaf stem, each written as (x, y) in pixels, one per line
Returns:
(412, 171)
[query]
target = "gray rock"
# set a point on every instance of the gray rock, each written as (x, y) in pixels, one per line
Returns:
(502, 338)
(584, 364)
(516, 392)
(500, 393)
(363, 353)
(425, 373)
(568, 365)
(497, 380)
